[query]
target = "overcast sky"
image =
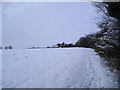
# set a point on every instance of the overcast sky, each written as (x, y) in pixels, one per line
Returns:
(43, 24)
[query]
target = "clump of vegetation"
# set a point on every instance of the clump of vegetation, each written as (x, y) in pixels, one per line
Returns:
(8, 47)
(106, 42)
(88, 41)
(1, 47)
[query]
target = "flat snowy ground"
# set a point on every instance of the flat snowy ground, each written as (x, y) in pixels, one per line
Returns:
(55, 68)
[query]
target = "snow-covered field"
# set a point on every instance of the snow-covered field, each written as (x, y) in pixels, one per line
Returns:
(55, 68)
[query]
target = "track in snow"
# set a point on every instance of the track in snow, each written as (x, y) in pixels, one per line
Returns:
(55, 68)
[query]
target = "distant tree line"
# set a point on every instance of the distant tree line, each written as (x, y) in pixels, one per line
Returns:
(62, 45)
(65, 45)
(35, 47)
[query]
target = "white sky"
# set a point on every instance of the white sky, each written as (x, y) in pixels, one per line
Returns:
(44, 24)
(0, 24)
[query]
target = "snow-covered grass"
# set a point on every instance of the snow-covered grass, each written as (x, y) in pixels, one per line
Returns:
(55, 68)
(0, 69)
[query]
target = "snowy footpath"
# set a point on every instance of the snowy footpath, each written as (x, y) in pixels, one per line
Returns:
(55, 68)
